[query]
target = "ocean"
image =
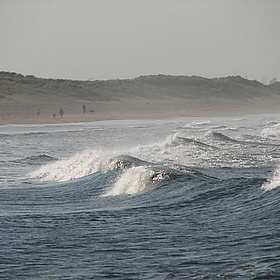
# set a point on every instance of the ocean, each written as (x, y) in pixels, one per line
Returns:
(183, 198)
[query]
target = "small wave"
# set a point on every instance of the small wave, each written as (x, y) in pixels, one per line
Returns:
(21, 133)
(255, 140)
(35, 160)
(2, 135)
(197, 124)
(221, 137)
(176, 140)
(249, 139)
(223, 127)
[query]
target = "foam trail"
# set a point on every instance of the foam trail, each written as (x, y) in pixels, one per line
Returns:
(273, 183)
(133, 181)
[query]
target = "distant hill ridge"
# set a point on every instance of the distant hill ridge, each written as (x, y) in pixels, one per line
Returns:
(150, 86)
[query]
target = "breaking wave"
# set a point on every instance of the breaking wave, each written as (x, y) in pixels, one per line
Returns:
(133, 181)
(140, 168)
(127, 175)
(77, 166)
(274, 182)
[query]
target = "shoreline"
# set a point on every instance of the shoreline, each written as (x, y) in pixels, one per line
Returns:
(91, 117)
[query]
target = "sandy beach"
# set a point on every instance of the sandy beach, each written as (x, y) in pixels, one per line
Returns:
(153, 110)
(27, 99)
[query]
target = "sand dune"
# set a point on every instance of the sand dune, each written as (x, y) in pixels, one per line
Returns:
(27, 99)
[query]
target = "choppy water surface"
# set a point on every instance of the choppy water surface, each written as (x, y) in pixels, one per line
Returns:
(187, 198)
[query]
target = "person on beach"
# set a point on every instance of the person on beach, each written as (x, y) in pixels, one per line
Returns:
(61, 112)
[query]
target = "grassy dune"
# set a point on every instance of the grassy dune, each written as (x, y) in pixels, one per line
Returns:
(27, 99)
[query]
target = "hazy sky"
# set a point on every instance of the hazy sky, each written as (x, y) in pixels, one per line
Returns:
(105, 39)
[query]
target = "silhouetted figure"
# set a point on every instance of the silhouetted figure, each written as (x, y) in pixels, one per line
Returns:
(61, 112)
(84, 109)
(38, 112)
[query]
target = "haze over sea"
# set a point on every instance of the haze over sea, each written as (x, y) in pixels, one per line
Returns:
(183, 198)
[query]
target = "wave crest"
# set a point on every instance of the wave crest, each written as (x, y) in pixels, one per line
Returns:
(220, 137)
(35, 160)
(133, 181)
(177, 140)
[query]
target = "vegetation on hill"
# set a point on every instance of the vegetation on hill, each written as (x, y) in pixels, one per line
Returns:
(152, 86)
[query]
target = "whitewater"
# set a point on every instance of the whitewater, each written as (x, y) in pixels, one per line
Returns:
(182, 198)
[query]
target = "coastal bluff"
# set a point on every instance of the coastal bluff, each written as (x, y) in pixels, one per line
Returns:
(31, 99)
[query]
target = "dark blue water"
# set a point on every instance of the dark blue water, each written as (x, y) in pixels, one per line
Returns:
(201, 204)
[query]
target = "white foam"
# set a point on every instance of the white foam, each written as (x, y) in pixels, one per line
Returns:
(77, 166)
(271, 131)
(90, 161)
(274, 182)
(133, 181)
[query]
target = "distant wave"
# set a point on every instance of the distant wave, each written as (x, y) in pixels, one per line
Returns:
(35, 160)
(23, 134)
(176, 140)
(221, 137)
(2, 135)
(217, 136)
